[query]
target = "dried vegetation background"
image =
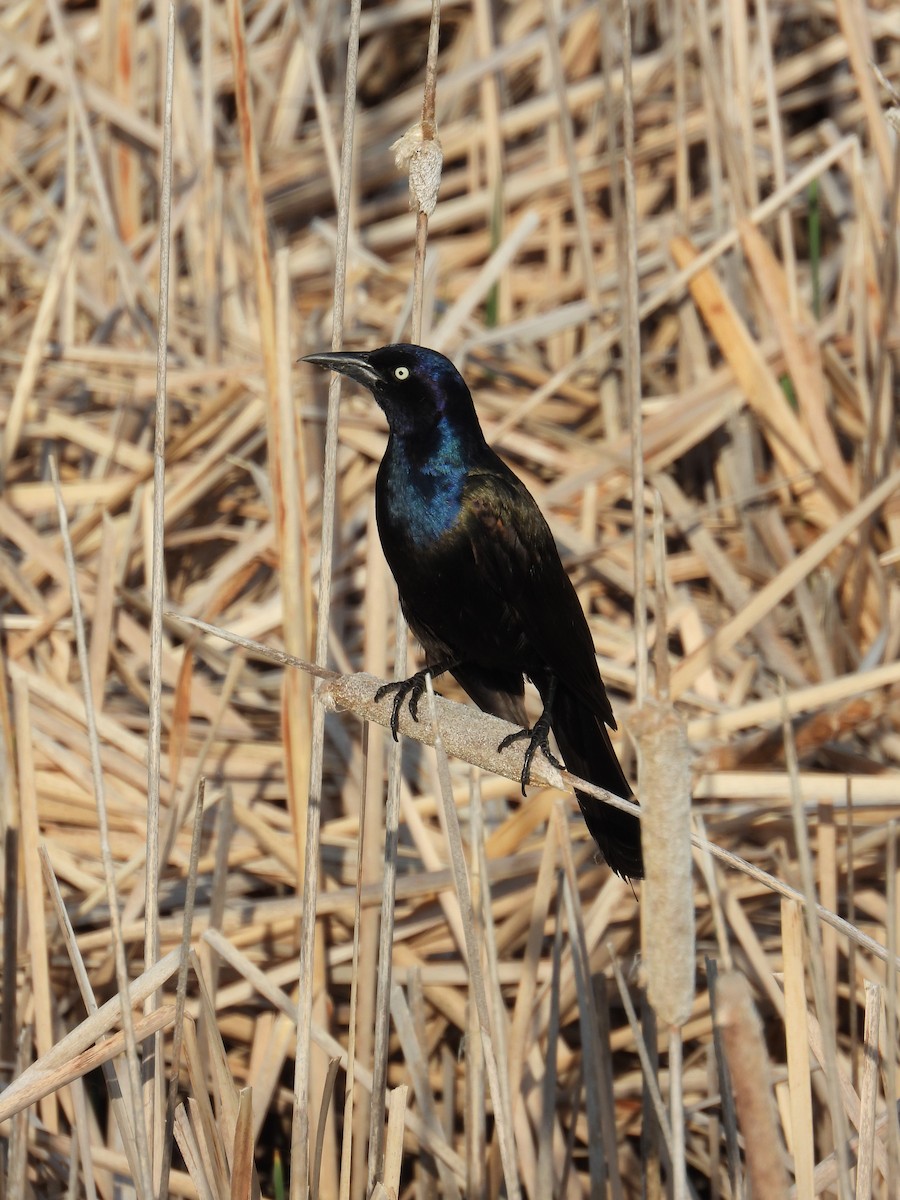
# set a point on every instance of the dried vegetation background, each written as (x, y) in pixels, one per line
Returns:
(766, 180)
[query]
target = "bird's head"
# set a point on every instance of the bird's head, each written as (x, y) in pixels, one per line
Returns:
(416, 387)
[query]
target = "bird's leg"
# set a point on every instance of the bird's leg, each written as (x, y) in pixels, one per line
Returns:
(538, 737)
(411, 689)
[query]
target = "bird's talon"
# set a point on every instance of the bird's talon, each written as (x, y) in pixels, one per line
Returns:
(538, 739)
(404, 689)
(552, 759)
(514, 737)
(395, 715)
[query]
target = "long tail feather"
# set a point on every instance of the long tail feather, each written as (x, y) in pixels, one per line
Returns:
(584, 741)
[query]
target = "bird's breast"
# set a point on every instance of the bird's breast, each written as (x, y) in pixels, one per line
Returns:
(418, 505)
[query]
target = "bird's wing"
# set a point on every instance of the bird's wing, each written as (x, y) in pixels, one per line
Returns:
(518, 559)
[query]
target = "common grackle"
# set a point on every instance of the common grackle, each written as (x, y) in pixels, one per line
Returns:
(480, 579)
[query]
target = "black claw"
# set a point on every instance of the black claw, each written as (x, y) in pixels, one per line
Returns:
(552, 759)
(412, 689)
(538, 739)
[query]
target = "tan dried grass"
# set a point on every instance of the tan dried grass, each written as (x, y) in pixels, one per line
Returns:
(518, 1057)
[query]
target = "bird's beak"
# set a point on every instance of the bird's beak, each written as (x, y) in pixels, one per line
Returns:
(353, 364)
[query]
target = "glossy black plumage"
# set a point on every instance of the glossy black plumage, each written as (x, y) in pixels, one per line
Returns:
(479, 575)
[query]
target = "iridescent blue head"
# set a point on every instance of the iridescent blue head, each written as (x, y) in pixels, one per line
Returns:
(416, 387)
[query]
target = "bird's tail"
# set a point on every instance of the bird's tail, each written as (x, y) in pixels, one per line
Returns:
(587, 751)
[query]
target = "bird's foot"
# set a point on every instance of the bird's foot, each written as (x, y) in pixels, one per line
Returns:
(538, 739)
(404, 690)
(411, 689)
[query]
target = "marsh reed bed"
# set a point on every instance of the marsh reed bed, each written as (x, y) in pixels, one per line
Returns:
(485, 1022)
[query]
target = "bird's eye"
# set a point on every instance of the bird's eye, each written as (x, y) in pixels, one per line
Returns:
(401, 373)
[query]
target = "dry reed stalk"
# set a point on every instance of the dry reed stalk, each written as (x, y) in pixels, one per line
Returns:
(865, 1159)
(34, 900)
(181, 990)
(490, 1035)
(545, 1166)
(155, 1112)
(817, 971)
(80, 1038)
(138, 1129)
(53, 1081)
(393, 1149)
(891, 1083)
(119, 1109)
(423, 157)
(797, 1041)
(40, 331)
(310, 935)
(603, 1158)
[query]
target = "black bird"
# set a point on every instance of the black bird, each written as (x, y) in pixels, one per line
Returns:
(480, 578)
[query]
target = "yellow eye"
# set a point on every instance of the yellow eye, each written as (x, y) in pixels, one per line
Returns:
(401, 373)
